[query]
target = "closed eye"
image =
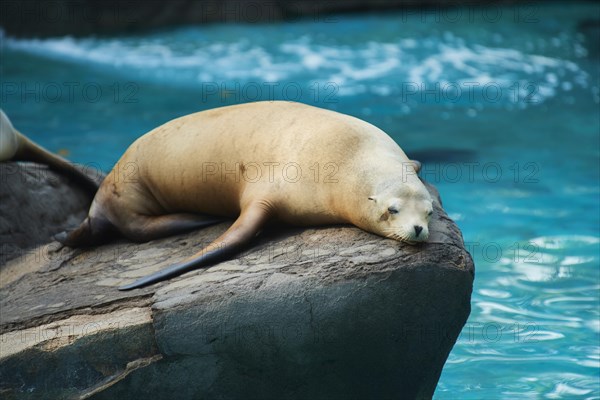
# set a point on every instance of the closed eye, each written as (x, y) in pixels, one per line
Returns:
(392, 210)
(429, 213)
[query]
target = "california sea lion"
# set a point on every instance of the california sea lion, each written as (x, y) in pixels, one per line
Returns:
(14, 146)
(258, 161)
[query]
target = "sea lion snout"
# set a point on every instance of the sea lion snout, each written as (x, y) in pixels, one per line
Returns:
(418, 230)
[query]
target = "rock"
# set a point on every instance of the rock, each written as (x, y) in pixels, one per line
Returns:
(323, 313)
(37, 203)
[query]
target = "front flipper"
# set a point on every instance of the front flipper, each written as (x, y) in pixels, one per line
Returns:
(246, 227)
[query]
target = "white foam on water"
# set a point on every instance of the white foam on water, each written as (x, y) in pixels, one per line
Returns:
(562, 389)
(564, 242)
(384, 66)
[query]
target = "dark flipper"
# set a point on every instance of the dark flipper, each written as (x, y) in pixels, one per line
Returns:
(208, 256)
(92, 231)
(246, 227)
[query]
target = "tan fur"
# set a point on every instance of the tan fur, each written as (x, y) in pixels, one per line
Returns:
(162, 172)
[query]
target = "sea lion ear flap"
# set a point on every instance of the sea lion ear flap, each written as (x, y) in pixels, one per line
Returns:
(416, 165)
(373, 198)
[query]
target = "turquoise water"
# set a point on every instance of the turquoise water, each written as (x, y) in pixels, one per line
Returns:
(513, 93)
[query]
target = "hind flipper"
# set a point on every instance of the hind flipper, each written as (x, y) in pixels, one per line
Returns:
(92, 231)
(246, 227)
(145, 228)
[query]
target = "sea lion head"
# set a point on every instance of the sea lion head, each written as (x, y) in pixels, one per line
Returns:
(403, 212)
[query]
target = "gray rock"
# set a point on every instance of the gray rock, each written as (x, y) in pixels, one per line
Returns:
(323, 313)
(35, 204)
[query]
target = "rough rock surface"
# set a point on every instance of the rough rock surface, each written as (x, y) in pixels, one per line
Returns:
(29, 215)
(323, 313)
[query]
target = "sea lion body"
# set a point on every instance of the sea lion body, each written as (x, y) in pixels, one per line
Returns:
(256, 162)
(285, 164)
